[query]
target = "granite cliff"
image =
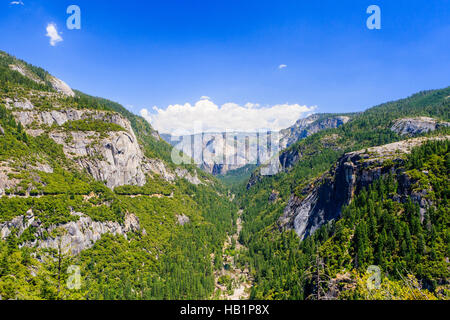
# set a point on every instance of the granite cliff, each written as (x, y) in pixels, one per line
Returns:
(417, 125)
(72, 237)
(322, 200)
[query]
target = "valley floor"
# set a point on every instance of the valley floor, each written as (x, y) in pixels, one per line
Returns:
(238, 282)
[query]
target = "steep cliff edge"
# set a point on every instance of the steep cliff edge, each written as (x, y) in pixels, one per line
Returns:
(323, 199)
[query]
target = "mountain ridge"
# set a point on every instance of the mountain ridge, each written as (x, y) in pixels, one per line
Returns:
(306, 184)
(85, 180)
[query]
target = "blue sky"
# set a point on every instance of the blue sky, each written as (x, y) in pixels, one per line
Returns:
(172, 52)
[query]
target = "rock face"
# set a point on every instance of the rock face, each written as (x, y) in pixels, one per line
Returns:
(158, 167)
(116, 158)
(60, 116)
(61, 86)
(184, 174)
(73, 237)
(415, 126)
(25, 105)
(322, 201)
(289, 158)
(5, 181)
(305, 127)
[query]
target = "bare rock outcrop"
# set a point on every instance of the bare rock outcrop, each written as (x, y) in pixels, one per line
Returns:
(289, 158)
(73, 237)
(61, 86)
(182, 219)
(5, 181)
(24, 104)
(158, 167)
(61, 116)
(183, 173)
(116, 159)
(415, 126)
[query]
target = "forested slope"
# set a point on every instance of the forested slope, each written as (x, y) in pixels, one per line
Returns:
(149, 236)
(283, 265)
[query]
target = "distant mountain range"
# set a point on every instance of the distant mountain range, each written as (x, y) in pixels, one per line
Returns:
(219, 153)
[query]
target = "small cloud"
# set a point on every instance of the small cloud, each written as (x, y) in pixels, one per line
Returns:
(282, 66)
(205, 98)
(53, 34)
(17, 3)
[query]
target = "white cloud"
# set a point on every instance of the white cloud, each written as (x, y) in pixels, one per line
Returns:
(146, 115)
(250, 105)
(17, 3)
(282, 66)
(206, 116)
(205, 98)
(52, 33)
